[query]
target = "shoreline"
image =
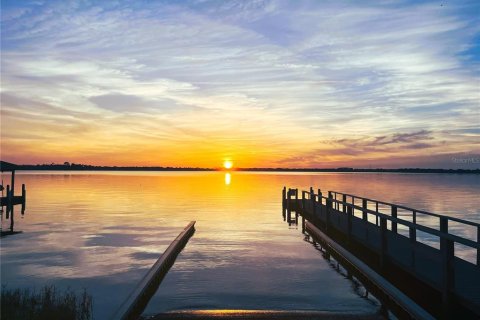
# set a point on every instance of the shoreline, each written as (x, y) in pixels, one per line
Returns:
(338, 170)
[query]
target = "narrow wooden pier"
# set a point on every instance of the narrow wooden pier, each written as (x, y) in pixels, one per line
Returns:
(136, 302)
(370, 230)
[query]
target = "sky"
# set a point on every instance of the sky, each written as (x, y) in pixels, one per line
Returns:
(261, 83)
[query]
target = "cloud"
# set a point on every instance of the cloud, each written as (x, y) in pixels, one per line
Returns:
(259, 74)
(118, 102)
(385, 150)
(414, 140)
(404, 137)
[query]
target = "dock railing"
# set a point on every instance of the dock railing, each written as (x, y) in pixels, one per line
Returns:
(381, 219)
(412, 226)
(365, 215)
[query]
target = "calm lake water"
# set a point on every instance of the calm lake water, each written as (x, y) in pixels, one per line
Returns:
(102, 231)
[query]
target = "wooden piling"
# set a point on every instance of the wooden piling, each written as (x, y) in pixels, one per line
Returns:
(13, 183)
(9, 201)
(289, 204)
(24, 197)
(12, 220)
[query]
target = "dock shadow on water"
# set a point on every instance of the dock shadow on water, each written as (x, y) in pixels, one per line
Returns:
(357, 286)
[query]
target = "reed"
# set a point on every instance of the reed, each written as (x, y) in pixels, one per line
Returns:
(46, 303)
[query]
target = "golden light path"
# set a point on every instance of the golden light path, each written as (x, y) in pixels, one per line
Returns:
(228, 178)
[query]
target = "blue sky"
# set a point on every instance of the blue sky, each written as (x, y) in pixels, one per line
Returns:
(263, 83)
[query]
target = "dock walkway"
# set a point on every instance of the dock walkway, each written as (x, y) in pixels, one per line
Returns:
(435, 278)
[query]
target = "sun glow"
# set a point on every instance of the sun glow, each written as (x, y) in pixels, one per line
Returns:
(227, 164)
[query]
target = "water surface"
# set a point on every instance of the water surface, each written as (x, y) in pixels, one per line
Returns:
(103, 230)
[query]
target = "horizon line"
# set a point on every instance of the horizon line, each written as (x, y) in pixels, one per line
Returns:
(80, 167)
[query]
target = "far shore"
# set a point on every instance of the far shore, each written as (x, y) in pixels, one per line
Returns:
(81, 167)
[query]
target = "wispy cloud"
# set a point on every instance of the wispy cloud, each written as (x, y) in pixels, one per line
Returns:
(190, 83)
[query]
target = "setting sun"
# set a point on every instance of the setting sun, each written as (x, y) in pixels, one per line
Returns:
(227, 164)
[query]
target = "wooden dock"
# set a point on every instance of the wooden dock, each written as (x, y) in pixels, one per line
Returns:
(371, 230)
(11, 200)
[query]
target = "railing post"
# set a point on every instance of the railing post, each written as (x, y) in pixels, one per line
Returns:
(344, 199)
(353, 203)
(312, 195)
(413, 239)
(394, 215)
(364, 211)
(349, 224)
(320, 196)
(303, 200)
(314, 203)
(448, 254)
(383, 242)
(478, 248)
(327, 212)
(413, 231)
(330, 196)
(284, 201)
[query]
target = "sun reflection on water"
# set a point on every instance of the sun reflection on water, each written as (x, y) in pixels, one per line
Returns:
(228, 178)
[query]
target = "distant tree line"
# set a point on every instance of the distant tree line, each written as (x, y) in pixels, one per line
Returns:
(84, 167)
(399, 170)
